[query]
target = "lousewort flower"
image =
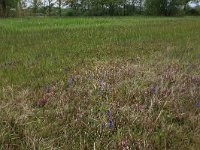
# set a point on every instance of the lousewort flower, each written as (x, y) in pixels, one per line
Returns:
(108, 86)
(197, 104)
(195, 79)
(70, 81)
(110, 123)
(51, 94)
(153, 90)
(90, 77)
(124, 145)
(108, 112)
(42, 102)
(103, 125)
(100, 82)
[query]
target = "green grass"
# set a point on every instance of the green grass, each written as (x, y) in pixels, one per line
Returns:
(100, 83)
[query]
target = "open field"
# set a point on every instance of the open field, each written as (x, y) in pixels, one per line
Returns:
(100, 83)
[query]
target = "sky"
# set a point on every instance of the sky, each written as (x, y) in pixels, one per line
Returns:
(193, 4)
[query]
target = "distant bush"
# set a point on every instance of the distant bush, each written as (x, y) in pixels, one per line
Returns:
(72, 12)
(193, 11)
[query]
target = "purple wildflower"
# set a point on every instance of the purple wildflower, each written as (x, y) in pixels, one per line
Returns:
(197, 104)
(123, 144)
(110, 123)
(108, 112)
(70, 80)
(51, 94)
(195, 79)
(103, 125)
(153, 90)
(108, 86)
(90, 77)
(42, 102)
(100, 85)
(100, 82)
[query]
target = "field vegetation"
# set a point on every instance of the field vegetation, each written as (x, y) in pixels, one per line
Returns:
(100, 83)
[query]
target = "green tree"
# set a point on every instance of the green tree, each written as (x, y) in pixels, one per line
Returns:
(60, 4)
(50, 5)
(36, 4)
(6, 5)
(3, 4)
(162, 7)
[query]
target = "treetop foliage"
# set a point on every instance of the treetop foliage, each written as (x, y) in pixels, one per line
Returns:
(96, 7)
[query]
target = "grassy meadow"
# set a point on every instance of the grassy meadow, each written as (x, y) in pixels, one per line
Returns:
(100, 83)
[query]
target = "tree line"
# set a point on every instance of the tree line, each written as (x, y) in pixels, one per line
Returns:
(97, 7)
